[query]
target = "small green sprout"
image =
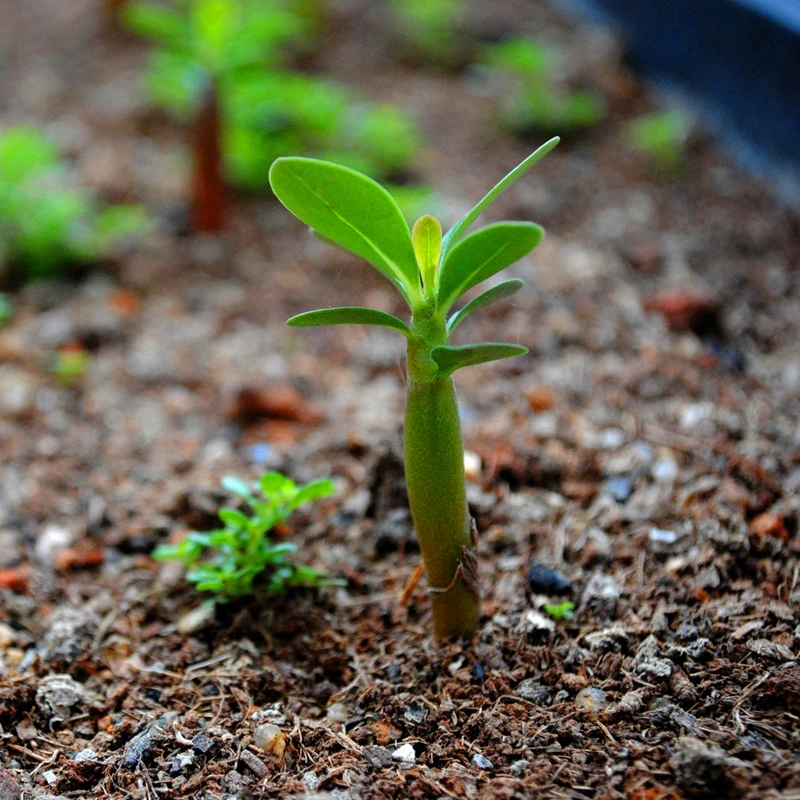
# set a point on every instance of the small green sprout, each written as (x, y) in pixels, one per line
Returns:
(46, 226)
(662, 136)
(537, 104)
(560, 612)
(431, 271)
(6, 309)
(70, 364)
(227, 561)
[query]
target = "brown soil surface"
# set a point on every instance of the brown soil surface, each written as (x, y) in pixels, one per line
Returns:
(648, 449)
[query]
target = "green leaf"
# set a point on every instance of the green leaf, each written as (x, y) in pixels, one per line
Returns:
(427, 238)
(483, 254)
(499, 292)
(461, 227)
(350, 315)
(233, 518)
(154, 21)
(312, 491)
(237, 486)
(449, 358)
(273, 483)
(352, 210)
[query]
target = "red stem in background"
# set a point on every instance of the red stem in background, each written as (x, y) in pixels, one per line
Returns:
(208, 189)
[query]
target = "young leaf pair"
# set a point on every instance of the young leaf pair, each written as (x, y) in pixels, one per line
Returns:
(431, 271)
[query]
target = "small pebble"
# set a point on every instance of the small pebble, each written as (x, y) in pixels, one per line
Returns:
(202, 742)
(519, 767)
(472, 465)
(196, 619)
(405, 754)
(620, 487)
(665, 470)
(591, 700)
(546, 580)
(661, 536)
(259, 453)
(6, 635)
(270, 739)
(481, 762)
(254, 763)
(51, 540)
(337, 712)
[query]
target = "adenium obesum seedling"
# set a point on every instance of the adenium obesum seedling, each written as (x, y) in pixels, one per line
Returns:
(431, 272)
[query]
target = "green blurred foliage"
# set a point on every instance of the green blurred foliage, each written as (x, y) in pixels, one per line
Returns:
(537, 104)
(245, 47)
(662, 137)
(46, 226)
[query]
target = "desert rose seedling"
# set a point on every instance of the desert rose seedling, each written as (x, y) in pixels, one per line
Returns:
(431, 272)
(228, 561)
(537, 104)
(47, 225)
(223, 66)
(204, 48)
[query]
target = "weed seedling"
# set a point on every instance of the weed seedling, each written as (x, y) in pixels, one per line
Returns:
(46, 226)
(431, 272)
(227, 561)
(537, 104)
(70, 364)
(560, 612)
(662, 136)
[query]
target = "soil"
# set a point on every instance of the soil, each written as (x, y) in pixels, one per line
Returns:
(647, 451)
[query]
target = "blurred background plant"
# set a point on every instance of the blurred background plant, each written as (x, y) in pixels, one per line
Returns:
(662, 137)
(6, 308)
(241, 51)
(47, 226)
(538, 103)
(432, 32)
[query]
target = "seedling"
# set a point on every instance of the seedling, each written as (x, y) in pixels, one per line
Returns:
(537, 104)
(222, 65)
(560, 612)
(46, 227)
(205, 46)
(431, 272)
(228, 561)
(70, 364)
(662, 136)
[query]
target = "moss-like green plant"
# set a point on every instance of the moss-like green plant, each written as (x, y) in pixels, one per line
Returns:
(662, 136)
(431, 272)
(227, 561)
(46, 225)
(537, 104)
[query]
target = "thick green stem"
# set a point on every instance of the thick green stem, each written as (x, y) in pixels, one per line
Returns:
(434, 458)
